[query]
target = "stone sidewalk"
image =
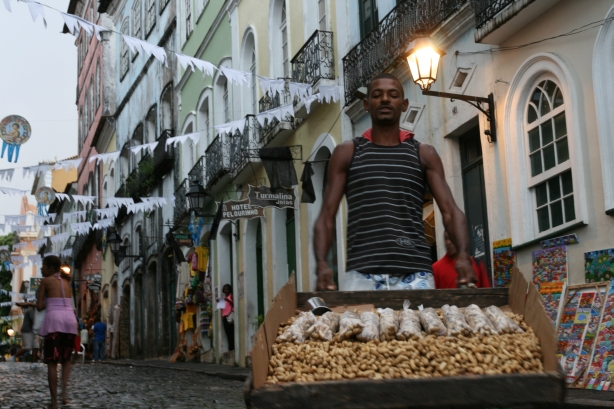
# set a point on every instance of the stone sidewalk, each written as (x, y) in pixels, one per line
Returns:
(234, 373)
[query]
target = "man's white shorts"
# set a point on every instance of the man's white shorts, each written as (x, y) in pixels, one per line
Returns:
(356, 281)
(30, 340)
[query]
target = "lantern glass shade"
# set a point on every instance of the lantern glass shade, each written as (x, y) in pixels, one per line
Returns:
(423, 64)
(196, 197)
(10, 332)
(114, 242)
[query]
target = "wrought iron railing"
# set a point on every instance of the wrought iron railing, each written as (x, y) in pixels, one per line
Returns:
(197, 173)
(267, 103)
(487, 9)
(216, 160)
(389, 39)
(181, 201)
(315, 60)
(163, 157)
(243, 144)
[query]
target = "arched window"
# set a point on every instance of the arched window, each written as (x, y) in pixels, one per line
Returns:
(124, 62)
(322, 15)
(136, 19)
(188, 18)
(203, 118)
(92, 103)
(150, 16)
(151, 125)
(283, 28)
(551, 178)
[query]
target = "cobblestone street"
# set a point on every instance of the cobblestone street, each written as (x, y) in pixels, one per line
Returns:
(108, 386)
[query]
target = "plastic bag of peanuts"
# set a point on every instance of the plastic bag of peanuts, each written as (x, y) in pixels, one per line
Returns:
(502, 323)
(455, 321)
(478, 321)
(409, 324)
(325, 327)
(430, 321)
(370, 322)
(296, 331)
(388, 324)
(349, 325)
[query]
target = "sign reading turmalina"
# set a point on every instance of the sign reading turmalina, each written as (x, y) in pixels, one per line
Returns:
(263, 196)
(241, 209)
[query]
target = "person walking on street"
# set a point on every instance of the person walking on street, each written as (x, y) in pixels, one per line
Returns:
(30, 342)
(228, 316)
(100, 334)
(85, 339)
(59, 327)
(384, 175)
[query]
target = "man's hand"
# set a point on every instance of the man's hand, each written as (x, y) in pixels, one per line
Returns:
(325, 279)
(466, 274)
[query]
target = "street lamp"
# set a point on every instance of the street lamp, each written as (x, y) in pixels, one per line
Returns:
(115, 243)
(10, 332)
(423, 60)
(196, 196)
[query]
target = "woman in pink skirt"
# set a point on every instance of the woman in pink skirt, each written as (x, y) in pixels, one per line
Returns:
(59, 326)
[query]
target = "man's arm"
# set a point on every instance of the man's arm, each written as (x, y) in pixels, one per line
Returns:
(323, 230)
(454, 219)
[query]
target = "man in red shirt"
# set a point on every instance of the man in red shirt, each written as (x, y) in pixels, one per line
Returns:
(446, 275)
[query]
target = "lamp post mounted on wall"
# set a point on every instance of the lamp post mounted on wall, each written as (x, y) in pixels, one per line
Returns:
(423, 60)
(118, 250)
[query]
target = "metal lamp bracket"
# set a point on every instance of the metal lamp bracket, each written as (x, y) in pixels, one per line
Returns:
(477, 103)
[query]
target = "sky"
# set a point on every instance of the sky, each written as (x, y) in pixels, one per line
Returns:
(38, 80)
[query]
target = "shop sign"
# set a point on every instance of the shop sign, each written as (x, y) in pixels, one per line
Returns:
(94, 286)
(94, 278)
(183, 239)
(241, 209)
(35, 283)
(263, 196)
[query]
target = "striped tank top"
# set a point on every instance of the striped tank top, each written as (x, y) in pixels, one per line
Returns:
(385, 193)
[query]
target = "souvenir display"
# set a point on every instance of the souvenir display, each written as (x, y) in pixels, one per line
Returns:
(549, 265)
(504, 259)
(601, 368)
(599, 265)
(551, 298)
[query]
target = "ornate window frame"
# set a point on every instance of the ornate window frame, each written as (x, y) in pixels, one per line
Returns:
(523, 219)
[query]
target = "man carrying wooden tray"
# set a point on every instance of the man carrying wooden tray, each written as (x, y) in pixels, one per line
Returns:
(384, 175)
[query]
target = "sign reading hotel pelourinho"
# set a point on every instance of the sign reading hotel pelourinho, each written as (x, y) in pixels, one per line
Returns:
(241, 209)
(262, 196)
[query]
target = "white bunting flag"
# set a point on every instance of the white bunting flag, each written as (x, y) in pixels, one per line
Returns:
(105, 158)
(231, 127)
(104, 223)
(39, 243)
(236, 76)
(74, 23)
(66, 253)
(36, 9)
(272, 86)
(205, 67)
(67, 165)
(62, 196)
(59, 238)
(7, 174)
(300, 90)
(135, 44)
(35, 170)
(10, 220)
(183, 138)
(119, 201)
(19, 246)
(81, 228)
(7, 4)
(13, 192)
(330, 93)
(148, 146)
(110, 212)
(310, 100)
(84, 200)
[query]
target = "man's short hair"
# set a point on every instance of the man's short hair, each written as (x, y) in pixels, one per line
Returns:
(53, 262)
(386, 75)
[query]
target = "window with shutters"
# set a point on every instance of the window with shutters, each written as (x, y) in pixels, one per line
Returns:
(97, 84)
(188, 18)
(548, 154)
(136, 20)
(150, 16)
(322, 15)
(226, 103)
(368, 16)
(124, 61)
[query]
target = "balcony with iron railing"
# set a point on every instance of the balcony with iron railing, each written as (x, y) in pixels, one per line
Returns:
(275, 130)
(197, 173)
(315, 60)
(388, 41)
(216, 161)
(497, 20)
(243, 150)
(164, 158)
(181, 201)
